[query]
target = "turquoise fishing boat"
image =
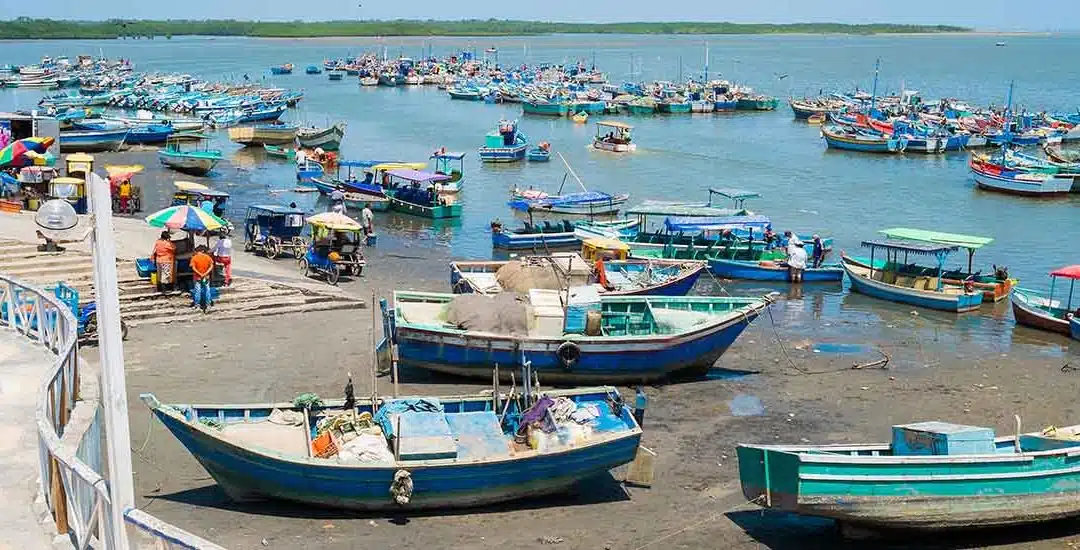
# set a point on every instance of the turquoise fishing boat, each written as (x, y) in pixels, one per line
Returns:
(407, 454)
(505, 144)
(569, 337)
(414, 192)
(1038, 310)
(933, 476)
(544, 108)
(899, 281)
(197, 160)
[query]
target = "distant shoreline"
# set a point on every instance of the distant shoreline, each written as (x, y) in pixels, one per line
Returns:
(25, 28)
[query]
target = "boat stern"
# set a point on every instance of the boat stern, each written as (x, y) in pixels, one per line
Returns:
(769, 476)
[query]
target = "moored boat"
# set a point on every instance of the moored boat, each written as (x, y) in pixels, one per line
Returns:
(933, 476)
(263, 134)
(894, 281)
(544, 108)
(90, 141)
(995, 287)
(327, 139)
(618, 139)
(571, 337)
(505, 144)
(995, 176)
(196, 160)
(1034, 309)
(866, 141)
(414, 192)
(766, 270)
(282, 69)
(390, 454)
(279, 152)
(149, 134)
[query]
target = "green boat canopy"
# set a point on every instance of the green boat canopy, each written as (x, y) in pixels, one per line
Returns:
(963, 241)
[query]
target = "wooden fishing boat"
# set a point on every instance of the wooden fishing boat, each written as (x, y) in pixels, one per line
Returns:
(586, 203)
(757, 103)
(773, 271)
(933, 476)
(313, 69)
(406, 454)
(327, 139)
(539, 236)
(282, 69)
(505, 144)
(263, 134)
(279, 152)
(369, 81)
(413, 192)
(804, 109)
(851, 139)
(581, 117)
(197, 160)
(149, 134)
(636, 338)
(995, 177)
(451, 165)
(538, 154)
(618, 138)
(544, 108)
(995, 287)
(673, 107)
(816, 119)
(890, 283)
(90, 141)
(355, 195)
(630, 277)
(1036, 310)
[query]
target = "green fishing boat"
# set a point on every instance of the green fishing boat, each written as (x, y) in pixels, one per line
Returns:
(932, 476)
(280, 152)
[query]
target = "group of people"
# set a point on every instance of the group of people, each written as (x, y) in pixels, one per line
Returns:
(202, 262)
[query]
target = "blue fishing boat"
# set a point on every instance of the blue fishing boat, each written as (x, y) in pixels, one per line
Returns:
(585, 203)
(467, 94)
(849, 138)
(764, 270)
(416, 453)
(313, 69)
(535, 236)
(356, 195)
(539, 154)
(149, 134)
(896, 281)
(571, 337)
(505, 144)
(932, 476)
(282, 69)
(91, 141)
(1074, 328)
(544, 108)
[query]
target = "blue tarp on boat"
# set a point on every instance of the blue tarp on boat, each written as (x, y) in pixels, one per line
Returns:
(691, 224)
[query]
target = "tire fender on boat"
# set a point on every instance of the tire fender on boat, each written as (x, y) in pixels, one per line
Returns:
(401, 488)
(568, 354)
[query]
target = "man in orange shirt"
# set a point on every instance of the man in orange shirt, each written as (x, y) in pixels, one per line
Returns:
(202, 265)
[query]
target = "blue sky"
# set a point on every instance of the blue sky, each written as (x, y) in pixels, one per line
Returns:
(1006, 15)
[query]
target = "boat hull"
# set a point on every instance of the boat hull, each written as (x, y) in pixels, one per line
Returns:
(845, 143)
(861, 283)
(614, 147)
(196, 166)
(92, 141)
(1074, 328)
(544, 109)
(247, 474)
(1033, 188)
(628, 360)
(460, 283)
(1027, 313)
(256, 135)
(534, 241)
(435, 213)
(754, 271)
(327, 140)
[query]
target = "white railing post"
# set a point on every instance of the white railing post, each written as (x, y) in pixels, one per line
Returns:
(111, 352)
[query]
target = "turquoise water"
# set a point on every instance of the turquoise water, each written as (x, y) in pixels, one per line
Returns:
(805, 187)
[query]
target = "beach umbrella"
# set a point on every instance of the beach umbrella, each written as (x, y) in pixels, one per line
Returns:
(15, 153)
(335, 221)
(187, 218)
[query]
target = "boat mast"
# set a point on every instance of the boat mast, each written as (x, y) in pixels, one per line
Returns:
(706, 62)
(873, 94)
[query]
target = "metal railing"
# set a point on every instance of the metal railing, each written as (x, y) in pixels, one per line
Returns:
(75, 492)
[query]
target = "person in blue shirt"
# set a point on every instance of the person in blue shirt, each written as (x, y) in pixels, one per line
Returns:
(818, 253)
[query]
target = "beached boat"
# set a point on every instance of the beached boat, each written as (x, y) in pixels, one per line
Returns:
(895, 282)
(617, 139)
(416, 453)
(628, 277)
(933, 476)
(327, 139)
(1034, 309)
(279, 152)
(188, 153)
(263, 134)
(413, 192)
(571, 337)
(90, 141)
(505, 144)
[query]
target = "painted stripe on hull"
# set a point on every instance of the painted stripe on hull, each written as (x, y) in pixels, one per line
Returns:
(1050, 186)
(1031, 316)
(522, 241)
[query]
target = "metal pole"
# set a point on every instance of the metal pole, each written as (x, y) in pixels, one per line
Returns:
(111, 352)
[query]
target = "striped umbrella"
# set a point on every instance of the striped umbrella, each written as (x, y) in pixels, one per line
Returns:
(187, 218)
(15, 153)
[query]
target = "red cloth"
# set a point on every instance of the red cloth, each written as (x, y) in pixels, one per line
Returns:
(1069, 272)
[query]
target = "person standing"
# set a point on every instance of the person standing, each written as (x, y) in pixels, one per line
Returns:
(124, 192)
(223, 254)
(337, 201)
(818, 252)
(164, 258)
(367, 219)
(202, 265)
(796, 262)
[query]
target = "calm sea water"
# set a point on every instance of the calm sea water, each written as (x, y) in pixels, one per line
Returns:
(805, 187)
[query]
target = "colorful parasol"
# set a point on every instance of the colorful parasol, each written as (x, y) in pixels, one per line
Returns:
(335, 221)
(15, 153)
(187, 218)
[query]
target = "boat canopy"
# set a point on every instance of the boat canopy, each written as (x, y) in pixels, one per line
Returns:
(1068, 272)
(417, 176)
(615, 124)
(913, 247)
(449, 155)
(963, 241)
(734, 194)
(663, 208)
(717, 223)
(399, 165)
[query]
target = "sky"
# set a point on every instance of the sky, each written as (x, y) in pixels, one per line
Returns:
(1001, 15)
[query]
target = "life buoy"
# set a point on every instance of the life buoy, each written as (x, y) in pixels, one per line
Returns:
(568, 354)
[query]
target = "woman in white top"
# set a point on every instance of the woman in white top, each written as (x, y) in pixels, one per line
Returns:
(223, 255)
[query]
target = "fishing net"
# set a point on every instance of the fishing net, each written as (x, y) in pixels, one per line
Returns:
(502, 313)
(543, 272)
